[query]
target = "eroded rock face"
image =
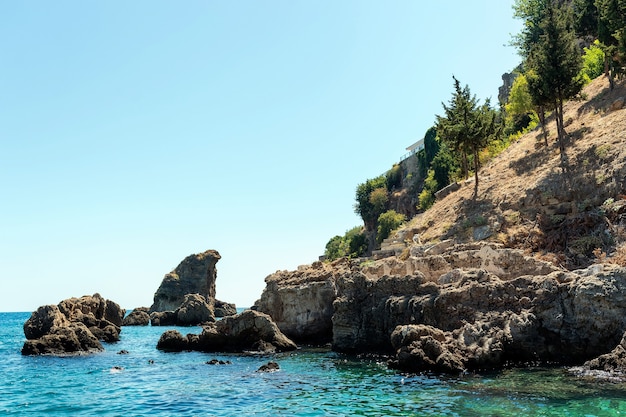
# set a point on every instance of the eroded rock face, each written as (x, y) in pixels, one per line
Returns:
(472, 307)
(562, 317)
(196, 274)
(301, 302)
(75, 325)
(248, 331)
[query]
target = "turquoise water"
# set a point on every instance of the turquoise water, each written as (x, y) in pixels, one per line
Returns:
(309, 383)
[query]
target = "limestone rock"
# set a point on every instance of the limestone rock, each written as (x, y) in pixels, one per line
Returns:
(193, 311)
(223, 309)
(617, 104)
(163, 318)
(247, 331)
(173, 341)
(613, 362)
(301, 302)
(138, 317)
(476, 306)
(196, 274)
(75, 325)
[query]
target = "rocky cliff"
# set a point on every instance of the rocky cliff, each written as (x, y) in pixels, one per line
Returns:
(196, 274)
(453, 308)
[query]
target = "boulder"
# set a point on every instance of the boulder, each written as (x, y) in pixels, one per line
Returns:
(138, 317)
(247, 331)
(196, 274)
(612, 362)
(271, 366)
(193, 311)
(173, 341)
(223, 309)
(74, 338)
(75, 325)
(163, 318)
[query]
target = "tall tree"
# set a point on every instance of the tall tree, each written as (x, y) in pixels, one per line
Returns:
(556, 61)
(467, 127)
(585, 18)
(612, 35)
(531, 13)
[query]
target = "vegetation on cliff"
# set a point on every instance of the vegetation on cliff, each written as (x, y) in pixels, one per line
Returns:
(570, 218)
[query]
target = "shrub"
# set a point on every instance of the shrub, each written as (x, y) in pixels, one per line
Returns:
(394, 177)
(593, 62)
(352, 245)
(387, 222)
(427, 197)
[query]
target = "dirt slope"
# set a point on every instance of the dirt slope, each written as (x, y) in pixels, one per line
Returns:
(526, 201)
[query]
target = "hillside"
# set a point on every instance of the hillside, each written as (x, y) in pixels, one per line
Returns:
(526, 201)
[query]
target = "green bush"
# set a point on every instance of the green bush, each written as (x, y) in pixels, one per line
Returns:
(394, 177)
(593, 62)
(364, 207)
(351, 245)
(387, 222)
(427, 197)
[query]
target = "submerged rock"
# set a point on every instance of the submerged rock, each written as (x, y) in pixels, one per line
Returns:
(75, 325)
(271, 366)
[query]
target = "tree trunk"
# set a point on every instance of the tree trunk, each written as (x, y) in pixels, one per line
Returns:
(541, 112)
(476, 164)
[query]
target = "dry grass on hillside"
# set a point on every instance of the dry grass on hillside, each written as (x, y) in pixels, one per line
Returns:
(526, 201)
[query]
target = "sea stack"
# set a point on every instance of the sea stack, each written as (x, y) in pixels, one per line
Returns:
(196, 274)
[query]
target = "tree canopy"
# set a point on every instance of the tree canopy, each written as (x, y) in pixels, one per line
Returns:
(555, 63)
(467, 127)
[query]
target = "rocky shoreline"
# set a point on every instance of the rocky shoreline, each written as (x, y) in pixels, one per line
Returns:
(454, 308)
(446, 308)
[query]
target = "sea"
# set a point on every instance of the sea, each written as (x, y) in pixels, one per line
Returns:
(310, 382)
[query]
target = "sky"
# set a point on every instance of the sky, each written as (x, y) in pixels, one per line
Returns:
(134, 134)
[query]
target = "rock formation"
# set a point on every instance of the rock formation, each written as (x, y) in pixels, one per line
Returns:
(451, 308)
(301, 302)
(248, 331)
(75, 325)
(223, 309)
(196, 274)
(138, 317)
(193, 311)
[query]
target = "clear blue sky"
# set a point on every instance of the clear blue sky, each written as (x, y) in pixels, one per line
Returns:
(135, 133)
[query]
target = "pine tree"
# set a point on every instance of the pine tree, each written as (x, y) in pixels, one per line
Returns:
(467, 127)
(556, 61)
(612, 35)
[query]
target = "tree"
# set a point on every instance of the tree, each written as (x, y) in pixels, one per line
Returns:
(531, 12)
(585, 18)
(520, 108)
(612, 35)
(368, 210)
(556, 62)
(431, 148)
(467, 127)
